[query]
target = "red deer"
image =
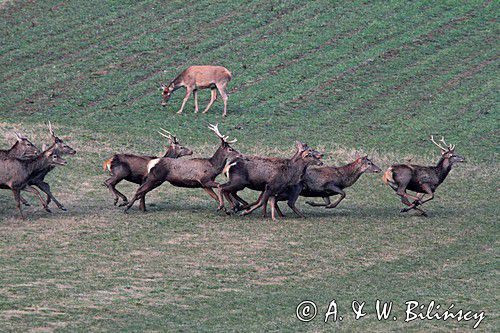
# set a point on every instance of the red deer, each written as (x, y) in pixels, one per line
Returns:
(134, 168)
(22, 148)
(190, 173)
(199, 77)
(271, 175)
(327, 181)
(423, 180)
(38, 179)
(16, 173)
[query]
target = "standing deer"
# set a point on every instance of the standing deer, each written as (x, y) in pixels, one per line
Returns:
(199, 77)
(190, 173)
(16, 173)
(38, 179)
(421, 179)
(22, 148)
(271, 175)
(134, 168)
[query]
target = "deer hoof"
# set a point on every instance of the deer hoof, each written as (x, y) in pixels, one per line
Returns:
(64, 209)
(403, 210)
(26, 204)
(47, 209)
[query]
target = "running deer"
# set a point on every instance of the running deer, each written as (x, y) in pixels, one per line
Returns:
(199, 77)
(190, 173)
(270, 175)
(16, 173)
(327, 181)
(134, 168)
(22, 148)
(38, 179)
(423, 180)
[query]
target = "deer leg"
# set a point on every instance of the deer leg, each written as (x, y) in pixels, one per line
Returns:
(223, 93)
(145, 188)
(278, 210)
(419, 202)
(45, 187)
(17, 198)
(188, 93)
(264, 198)
(24, 202)
(33, 190)
(111, 183)
(213, 97)
(336, 190)
(211, 193)
(195, 93)
(315, 204)
(272, 201)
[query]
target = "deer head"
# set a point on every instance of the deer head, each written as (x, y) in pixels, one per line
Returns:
(59, 143)
(27, 148)
(448, 152)
(175, 148)
(367, 165)
(308, 155)
(167, 91)
(225, 148)
(54, 157)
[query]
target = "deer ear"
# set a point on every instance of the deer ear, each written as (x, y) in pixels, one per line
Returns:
(300, 145)
(44, 147)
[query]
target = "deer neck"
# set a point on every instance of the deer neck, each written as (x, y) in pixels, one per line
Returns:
(296, 168)
(15, 150)
(178, 83)
(351, 172)
(218, 160)
(38, 163)
(443, 168)
(170, 153)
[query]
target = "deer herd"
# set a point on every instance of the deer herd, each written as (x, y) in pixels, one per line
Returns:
(23, 167)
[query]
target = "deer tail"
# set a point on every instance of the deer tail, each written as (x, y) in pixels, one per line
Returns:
(107, 164)
(387, 177)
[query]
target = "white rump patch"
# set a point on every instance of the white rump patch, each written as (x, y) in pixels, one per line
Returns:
(153, 163)
(227, 167)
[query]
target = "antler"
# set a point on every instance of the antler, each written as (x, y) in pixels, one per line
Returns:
(448, 147)
(172, 138)
(215, 129)
(19, 136)
(50, 128)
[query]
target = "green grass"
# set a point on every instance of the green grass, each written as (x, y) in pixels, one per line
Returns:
(372, 77)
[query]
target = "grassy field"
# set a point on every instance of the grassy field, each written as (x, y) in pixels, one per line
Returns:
(367, 77)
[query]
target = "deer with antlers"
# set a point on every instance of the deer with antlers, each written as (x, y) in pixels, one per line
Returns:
(191, 173)
(195, 78)
(423, 180)
(22, 148)
(134, 168)
(38, 179)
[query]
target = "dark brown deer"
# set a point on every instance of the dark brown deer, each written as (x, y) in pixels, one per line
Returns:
(134, 168)
(38, 179)
(271, 175)
(190, 173)
(15, 173)
(423, 180)
(22, 148)
(327, 181)
(199, 77)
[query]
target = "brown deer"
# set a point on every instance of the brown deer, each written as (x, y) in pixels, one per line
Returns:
(22, 148)
(328, 181)
(199, 77)
(15, 173)
(423, 180)
(38, 179)
(134, 168)
(190, 173)
(271, 175)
